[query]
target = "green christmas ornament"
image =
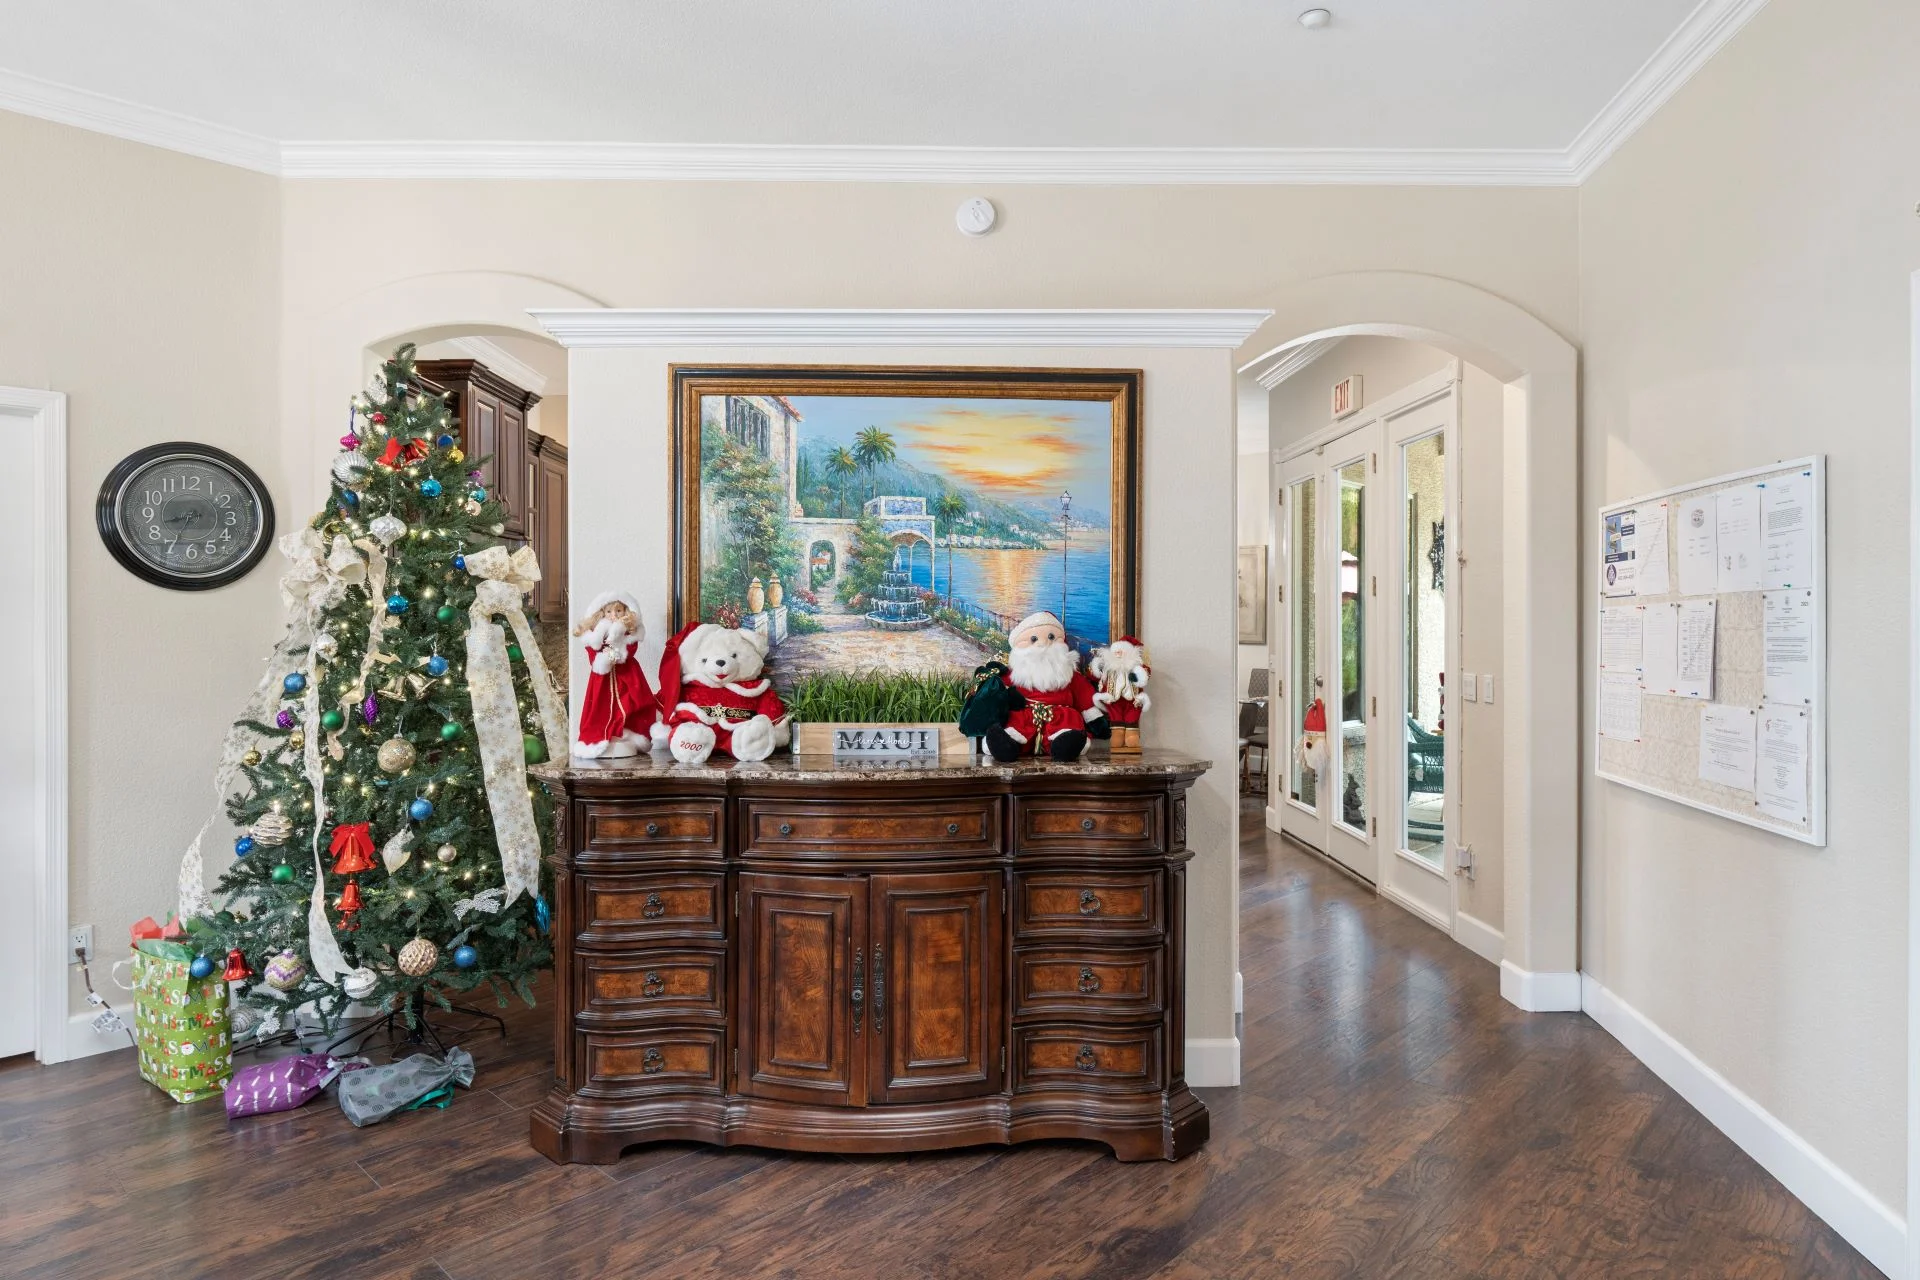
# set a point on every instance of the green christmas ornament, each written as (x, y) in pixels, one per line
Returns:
(535, 749)
(446, 613)
(283, 874)
(513, 653)
(332, 720)
(449, 731)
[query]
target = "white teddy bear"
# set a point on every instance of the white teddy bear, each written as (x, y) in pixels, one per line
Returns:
(711, 678)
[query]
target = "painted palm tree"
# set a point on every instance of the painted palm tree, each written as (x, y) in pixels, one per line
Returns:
(842, 465)
(873, 447)
(948, 508)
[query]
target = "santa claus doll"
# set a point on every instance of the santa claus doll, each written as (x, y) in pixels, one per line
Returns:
(721, 701)
(1120, 674)
(1055, 713)
(620, 715)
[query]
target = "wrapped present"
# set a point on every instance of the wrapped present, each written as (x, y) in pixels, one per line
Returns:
(285, 1083)
(370, 1095)
(180, 1027)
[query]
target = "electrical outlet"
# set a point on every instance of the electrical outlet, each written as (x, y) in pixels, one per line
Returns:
(1486, 688)
(1469, 686)
(1463, 860)
(79, 938)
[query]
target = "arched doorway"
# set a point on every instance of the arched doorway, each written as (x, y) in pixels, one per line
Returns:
(823, 565)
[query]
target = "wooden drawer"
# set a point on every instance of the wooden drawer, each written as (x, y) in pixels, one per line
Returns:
(1103, 903)
(617, 909)
(678, 828)
(1086, 980)
(869, 828)
(1093, 824)
(627, 988)
(1064, 1056)
(669, 1060)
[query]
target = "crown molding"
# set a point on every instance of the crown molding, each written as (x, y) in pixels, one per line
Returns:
(1099, 166)
(502, 362)
(98, 113)
(753, 327)
(1292, 361)
(1704, 33)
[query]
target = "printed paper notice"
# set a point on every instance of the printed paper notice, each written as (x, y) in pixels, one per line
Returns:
(1620, 639)
(1650, 558)
(1780, 784)
(1788, 647)
(1620, 706)
(1739, 567)
(1788, 538)
(1726, 746)
(1660, 649)
(1699, 543)
(1619, 541)
(1693, 676)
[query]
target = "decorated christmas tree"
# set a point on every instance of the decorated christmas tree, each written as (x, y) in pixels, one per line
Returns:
(391, 846)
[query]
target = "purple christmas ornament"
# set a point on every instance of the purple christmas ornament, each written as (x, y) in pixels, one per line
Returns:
(284, 719)
(370, 709)
(474, 475)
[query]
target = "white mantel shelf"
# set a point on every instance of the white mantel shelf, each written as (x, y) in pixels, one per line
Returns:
(755, 327)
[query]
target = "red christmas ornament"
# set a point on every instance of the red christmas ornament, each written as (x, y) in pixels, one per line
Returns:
(237, 970)
(377, 418)
(348, 904)
(352, 848)
(398, 455)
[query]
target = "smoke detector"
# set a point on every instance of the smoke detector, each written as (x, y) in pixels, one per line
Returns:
(1314, 19)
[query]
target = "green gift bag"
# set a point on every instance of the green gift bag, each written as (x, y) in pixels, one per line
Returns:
(180, 1026)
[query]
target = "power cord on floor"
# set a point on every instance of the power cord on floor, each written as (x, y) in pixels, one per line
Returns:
(106, 1022)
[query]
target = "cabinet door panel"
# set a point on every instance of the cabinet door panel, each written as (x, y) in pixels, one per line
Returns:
(798, 938)
(934, 986)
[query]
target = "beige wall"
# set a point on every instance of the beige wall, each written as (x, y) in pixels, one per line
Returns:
(1744, 264)
(145, 285)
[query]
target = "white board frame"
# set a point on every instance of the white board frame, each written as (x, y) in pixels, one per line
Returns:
(1816, 832)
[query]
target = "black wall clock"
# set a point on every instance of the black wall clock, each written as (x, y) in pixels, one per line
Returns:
(186, 516)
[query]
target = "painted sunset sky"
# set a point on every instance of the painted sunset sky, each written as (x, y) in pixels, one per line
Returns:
(1017, 451)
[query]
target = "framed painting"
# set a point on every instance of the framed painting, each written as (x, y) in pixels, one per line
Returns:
(896, 521)
(1252, 583)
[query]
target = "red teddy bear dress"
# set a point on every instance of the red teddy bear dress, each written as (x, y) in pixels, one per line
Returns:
(619, 706)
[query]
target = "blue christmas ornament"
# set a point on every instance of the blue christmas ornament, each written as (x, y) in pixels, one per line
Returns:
(436, 666)
(445, 442)
(478, 494)
(397, 603)
(429, 488)
(542, 913)
(465, 957)
(421, 809)
(349, 497)
(243, 846)
(294, 683)
(460, 563)
(200, 967)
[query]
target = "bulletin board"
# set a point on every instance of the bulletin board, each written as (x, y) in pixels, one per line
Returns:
(1711, 662)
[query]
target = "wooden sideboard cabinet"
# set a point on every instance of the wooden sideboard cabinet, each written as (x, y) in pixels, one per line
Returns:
(863, 958)
(490, 418)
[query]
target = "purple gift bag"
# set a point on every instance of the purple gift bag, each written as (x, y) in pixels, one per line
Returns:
(284, 1083)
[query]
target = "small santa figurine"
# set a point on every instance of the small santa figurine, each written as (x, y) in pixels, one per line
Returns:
(1120, 671)
(620, 715)
(721, 701)
(1055, 712)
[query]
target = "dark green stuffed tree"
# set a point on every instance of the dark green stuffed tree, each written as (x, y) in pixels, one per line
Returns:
(427, 852)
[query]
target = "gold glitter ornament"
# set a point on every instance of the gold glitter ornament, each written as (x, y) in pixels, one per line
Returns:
(250, 759)
(396, 755)
(417, 958)
(296, 741)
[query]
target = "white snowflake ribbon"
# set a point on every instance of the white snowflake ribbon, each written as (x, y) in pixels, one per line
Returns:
(488, 901)
(504, 582)
(323, 949)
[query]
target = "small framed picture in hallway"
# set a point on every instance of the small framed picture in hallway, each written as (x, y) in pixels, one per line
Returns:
(899, 520)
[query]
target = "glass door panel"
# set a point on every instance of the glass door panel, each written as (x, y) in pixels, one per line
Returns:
(1354, 586)
(1303, 664)
(1424, 647)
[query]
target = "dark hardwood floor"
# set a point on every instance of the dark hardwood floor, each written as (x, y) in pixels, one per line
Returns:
(1397, 1120)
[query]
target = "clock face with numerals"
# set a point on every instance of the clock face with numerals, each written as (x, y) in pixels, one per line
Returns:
(186, 516)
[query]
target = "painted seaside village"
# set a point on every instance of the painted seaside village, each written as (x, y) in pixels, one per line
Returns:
(867, 534)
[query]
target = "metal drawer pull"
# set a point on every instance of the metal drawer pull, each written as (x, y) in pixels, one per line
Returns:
(859, 987)
(953, 828)
(1089, 903)
(786, 828)
(652, 987)
(1086, 824)
(654, 908)
(1085, 1059)
(653, 828)
(879, 988)
(1089, 980)
(652, 1063)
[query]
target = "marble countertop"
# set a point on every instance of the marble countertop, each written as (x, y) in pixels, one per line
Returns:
(783, 767)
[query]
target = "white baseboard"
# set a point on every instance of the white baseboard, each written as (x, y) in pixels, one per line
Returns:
(1213, 1064)
(1479, 937)
(1408, 903)
(1866, 1224)
(1543, 992)
(83, 1041)
(1273, 819)
(1239, 993)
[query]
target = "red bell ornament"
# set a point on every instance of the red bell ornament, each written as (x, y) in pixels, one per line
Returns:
(237, 970)
(349, 899)
(352, 848)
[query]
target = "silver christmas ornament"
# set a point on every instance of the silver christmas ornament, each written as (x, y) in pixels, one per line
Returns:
(446, 853)
(388, 528)
(273, 828)
(349, 466)
(359, 983)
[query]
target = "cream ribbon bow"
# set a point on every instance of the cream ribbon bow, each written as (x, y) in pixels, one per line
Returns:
(505, 578)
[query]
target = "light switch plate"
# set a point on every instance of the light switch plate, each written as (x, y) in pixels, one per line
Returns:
(1486, 687)
(1469, 686)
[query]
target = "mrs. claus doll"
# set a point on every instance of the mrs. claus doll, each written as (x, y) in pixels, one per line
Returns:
(1056, 712)
(620, 716)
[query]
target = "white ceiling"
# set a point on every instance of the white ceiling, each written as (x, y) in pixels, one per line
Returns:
(1507, 82)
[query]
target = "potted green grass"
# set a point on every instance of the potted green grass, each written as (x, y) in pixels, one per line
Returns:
(877, 699)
